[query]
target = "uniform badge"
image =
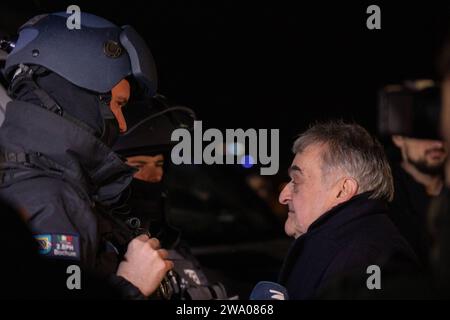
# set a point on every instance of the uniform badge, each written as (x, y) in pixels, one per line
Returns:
(44, 243)
(64, 246)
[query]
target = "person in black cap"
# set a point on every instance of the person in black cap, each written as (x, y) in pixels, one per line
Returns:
(146, 147)
(56, 162)
(409, 116)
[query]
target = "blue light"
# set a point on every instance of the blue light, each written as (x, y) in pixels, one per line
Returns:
(247, 161)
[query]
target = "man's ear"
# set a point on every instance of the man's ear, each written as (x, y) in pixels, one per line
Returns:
(349, 188)
(398, 141)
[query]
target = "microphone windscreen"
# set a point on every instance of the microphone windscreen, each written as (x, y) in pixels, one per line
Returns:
(266, 290)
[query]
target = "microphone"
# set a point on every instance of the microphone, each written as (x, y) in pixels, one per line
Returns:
(266, 290)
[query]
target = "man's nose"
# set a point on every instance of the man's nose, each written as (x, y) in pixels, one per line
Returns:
(122, 123)
(285, 195)
(158, 177)
(437, 144)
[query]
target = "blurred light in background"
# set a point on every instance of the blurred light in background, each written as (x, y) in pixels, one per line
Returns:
(236, 149)
(247, 161)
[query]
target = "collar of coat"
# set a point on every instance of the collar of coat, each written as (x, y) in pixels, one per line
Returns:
(357, 207)
(329, 224)
(327, 227)
(84, 159)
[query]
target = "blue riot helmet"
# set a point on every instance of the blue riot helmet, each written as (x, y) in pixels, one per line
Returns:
(95, 57)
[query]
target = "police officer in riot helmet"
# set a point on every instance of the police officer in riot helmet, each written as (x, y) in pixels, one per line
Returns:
(56, 163)
(146, 146)
(409, 117)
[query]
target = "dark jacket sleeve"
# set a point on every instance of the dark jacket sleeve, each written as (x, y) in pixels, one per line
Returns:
(124, 288)
(54, 210)
(63, 224)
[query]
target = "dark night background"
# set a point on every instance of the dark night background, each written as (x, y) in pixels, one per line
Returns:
(273, 65)
(265, 65)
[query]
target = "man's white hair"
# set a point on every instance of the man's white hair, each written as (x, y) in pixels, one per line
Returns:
(350, 148)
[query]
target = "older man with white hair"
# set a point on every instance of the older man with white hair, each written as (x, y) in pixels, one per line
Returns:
(340, 183)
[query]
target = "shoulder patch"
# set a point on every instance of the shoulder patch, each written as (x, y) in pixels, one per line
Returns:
(62, 246)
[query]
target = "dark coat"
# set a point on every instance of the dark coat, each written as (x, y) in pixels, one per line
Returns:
(343, 242)
(59, 174)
